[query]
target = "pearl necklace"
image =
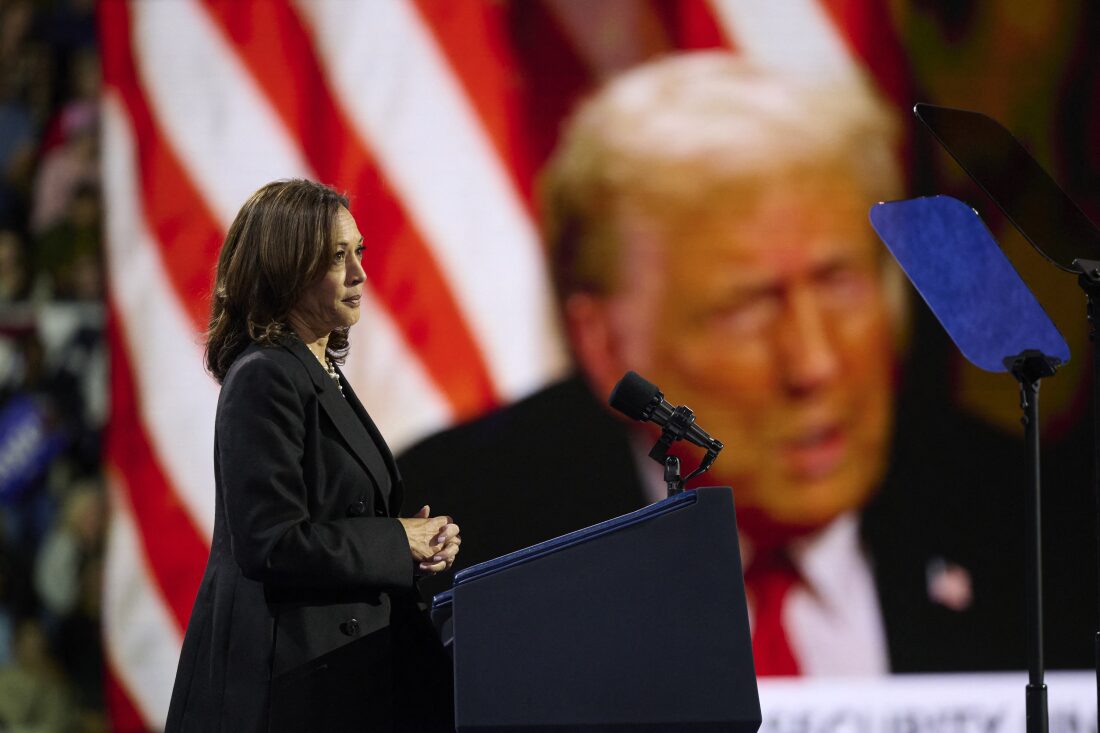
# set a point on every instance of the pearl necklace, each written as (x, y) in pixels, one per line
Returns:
(330, 369)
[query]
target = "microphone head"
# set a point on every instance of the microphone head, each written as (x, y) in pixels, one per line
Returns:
(634, 396)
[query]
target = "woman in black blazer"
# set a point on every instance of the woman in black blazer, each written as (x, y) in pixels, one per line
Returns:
(307, 615)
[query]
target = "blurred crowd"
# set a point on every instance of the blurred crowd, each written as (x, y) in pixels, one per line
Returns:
(53, 400)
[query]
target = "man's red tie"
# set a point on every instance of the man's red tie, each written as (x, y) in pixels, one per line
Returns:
(768, 579)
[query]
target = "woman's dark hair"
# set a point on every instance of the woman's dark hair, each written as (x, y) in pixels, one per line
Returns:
(280, 243)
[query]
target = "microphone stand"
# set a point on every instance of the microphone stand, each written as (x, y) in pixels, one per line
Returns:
(675, 428)
(673, 482)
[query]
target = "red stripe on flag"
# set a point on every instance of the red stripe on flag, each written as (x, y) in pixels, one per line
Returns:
(186, 231)
(175, 549)
(691, 24)
(398, 262)
(124, 717)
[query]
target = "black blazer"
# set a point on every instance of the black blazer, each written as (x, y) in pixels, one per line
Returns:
(309, 578)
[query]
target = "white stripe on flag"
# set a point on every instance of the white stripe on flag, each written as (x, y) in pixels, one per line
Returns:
(791, 35)
(141, 639)
(177, 398)
(221, 126)
(410, 111)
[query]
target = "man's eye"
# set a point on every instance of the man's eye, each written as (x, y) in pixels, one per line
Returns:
(844, 284)
(359, 251)
(339, 255)
(750, 313)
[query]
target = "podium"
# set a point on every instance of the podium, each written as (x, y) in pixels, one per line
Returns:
(637, 623)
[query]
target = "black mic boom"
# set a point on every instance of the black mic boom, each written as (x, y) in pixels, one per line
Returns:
(639, 399)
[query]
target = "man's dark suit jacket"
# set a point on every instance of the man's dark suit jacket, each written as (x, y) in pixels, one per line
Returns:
(558, 461)
(306, 616)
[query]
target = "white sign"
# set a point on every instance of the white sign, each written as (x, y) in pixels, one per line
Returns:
(961, 703)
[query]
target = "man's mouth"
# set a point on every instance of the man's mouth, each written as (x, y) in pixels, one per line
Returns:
(353, 301)
(816, 452)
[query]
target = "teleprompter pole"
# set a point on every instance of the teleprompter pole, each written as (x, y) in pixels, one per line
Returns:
(1029, 368)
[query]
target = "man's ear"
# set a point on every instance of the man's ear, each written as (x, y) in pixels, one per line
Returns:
(596, 347)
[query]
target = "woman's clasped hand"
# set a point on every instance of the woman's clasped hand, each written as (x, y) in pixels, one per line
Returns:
(433, 541)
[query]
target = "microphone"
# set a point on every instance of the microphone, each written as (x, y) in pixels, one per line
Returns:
(640, 399)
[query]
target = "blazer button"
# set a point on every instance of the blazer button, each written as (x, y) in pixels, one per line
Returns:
(350, 627)
(357, 509)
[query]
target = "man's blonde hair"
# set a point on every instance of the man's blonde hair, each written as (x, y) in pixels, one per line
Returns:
(676, 135)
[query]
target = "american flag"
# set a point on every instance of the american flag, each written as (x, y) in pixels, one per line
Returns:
(435, 116)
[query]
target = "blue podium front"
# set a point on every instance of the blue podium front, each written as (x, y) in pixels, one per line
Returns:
(637, 623)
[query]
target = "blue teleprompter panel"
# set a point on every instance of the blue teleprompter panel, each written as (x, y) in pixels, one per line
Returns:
(954, 262)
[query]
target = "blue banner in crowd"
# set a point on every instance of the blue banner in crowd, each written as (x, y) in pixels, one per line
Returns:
(27, 444)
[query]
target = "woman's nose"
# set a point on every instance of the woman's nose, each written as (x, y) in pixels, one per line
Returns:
(356, 273)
